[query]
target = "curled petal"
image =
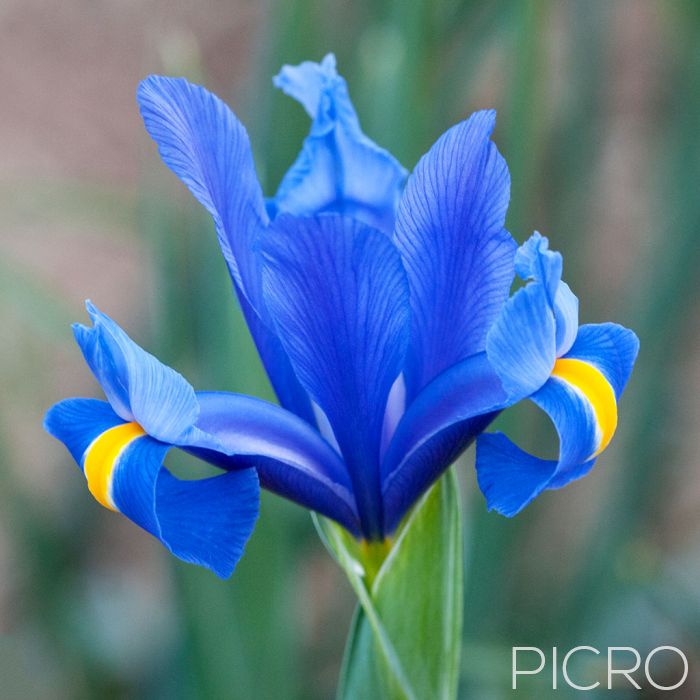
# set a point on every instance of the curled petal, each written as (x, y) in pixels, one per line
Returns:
(609, 347)
(205, 522)
(534, 261)
(339, 169)
(581, 400)
(77, 422)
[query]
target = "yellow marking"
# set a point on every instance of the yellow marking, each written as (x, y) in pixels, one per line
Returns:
(101, 458)
(596, 388)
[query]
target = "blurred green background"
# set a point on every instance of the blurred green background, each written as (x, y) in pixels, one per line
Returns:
(599, 116)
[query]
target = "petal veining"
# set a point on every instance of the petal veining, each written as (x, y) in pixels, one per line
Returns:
(458, 255)
(338, 293)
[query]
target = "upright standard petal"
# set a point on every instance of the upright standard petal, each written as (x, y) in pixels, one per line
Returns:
(205, 522)
(138, 386)
(458, 256)
(438, 426)
(203, 143)
(581, 399)
(338, 294)
(339, 169)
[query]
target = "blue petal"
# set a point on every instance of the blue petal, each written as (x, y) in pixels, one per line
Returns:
(290, 393)
(566, 317)
(442, 421)
(308, 83)
(338, 293)
(458, 256)
(137, 385)
(536, 325)
(521, 344)
(510, 478)
(292, 459)
(534, 261)
(205, 522)
(339, 169)
(77, 422)
(609, 347)
(205, 145)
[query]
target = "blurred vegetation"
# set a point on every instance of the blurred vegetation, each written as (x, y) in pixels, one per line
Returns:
(598, 111)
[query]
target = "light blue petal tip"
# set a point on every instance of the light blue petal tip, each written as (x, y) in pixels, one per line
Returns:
(96, 316)
(534, 260)
(329, 63)
(488, 116)
(308, 81)
(80, 331)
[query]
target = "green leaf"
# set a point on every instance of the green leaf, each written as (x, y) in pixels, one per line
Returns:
(406, 635)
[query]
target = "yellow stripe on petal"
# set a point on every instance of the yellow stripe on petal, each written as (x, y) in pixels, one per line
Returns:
(101, 458)
(591, 382)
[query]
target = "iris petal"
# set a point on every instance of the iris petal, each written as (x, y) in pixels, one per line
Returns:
(509, 477)
(537, 324)
(442, 421)
(521, 344)
(77, 422)
(290, 393)
(138, 386)
(205, 522)
(339, 169)
(338, 293)
(458, 256)
(308, 83)
(534, 261)
(566, 317)
(609, 347)
(583, 414)
(203, 143)
(292, 459)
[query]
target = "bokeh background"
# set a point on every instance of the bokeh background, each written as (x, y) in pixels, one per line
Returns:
(599, 117)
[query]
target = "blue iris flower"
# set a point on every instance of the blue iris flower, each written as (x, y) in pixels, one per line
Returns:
(380, 307)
